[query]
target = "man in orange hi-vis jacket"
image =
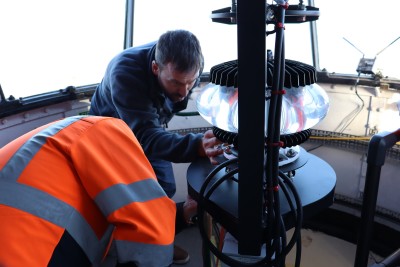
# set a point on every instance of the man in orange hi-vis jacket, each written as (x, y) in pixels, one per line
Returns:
(72, 189)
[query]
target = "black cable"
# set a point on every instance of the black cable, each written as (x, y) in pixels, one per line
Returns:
(273, 138)
(284, 183)
(200, 210)
(187, 114)
(293, 210)
(282, 256)
(299, 217)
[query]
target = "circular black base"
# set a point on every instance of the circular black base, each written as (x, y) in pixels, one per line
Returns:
(314, 181)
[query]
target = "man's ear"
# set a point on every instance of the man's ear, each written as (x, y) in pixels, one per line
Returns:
(154, 67)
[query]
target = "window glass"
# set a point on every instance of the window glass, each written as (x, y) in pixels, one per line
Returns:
(48, 45)
(51, 44)
(347, 30)
(218, 40)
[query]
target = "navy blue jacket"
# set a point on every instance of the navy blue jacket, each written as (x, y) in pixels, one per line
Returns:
(130, 91)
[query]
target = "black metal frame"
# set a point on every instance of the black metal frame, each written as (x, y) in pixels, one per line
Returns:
(377, 148)
(251, 81)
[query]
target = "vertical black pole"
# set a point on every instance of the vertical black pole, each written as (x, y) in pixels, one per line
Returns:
(251, 28)
(376, 158)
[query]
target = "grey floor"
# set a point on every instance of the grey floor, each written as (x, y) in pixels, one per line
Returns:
(189, 239)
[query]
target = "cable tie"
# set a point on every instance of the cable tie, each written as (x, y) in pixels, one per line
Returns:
(286, 5)
(280, 25)
(280, 144)
(279, 92)
(274, 188)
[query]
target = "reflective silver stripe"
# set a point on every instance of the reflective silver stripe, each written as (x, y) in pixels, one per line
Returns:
(104, 243)
(119, 195)
(42, 204)
(148, 255)
(23, 156)
(47, 207)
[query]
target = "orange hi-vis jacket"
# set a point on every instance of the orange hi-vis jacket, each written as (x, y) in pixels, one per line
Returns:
(70, 187)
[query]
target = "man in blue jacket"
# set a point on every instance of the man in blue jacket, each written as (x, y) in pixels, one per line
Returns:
(145, 86)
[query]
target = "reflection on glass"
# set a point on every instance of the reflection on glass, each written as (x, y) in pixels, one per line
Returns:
(302, 107)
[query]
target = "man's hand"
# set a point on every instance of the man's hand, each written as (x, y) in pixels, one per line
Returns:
(210, 147)
(189, 209)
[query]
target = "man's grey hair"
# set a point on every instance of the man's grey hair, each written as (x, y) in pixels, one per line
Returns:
(182, 49)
